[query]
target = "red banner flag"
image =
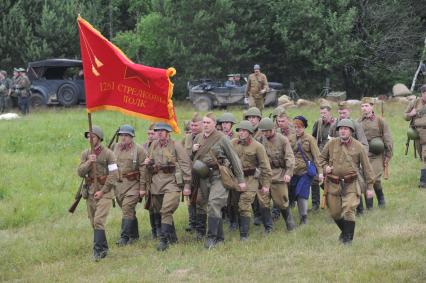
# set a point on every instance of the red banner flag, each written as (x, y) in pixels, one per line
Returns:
(113, 82)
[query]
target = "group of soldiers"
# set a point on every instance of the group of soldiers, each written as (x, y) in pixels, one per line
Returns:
(18, 86)
(230, 176)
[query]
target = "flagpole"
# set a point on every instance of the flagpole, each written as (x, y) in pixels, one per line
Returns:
(92, 150)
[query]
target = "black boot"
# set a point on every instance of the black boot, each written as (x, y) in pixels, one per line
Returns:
(212, 231)
(233, 219)
(201, 226)
(220, 235)
(244, 228)
(153, 226)
(348, 232)
(368, 203)
(303, 219)
(192, 218)
(134, 231)
(360, 207)
(315, 194)
(125, 232)
(100, 245)
(172, 235)
(422, 183)
(288, 218)
(340, 224)
(164, 237)
(379, 193)
(256, 212)
(266, 219)
(276, 212)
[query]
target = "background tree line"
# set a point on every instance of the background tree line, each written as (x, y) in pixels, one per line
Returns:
(363, 46)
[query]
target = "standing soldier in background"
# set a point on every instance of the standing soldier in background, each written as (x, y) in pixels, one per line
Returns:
(342, 159)
(416, 114)
(99, 193)
(253, 156)
(257, 87)
(154, 218)
(21, 88)
(281, 159)
(196, 127)
(169, 168)
(358, 134)
(5, 85)
(211, 149)
(380, 144)
(130, 186)
(320, 131)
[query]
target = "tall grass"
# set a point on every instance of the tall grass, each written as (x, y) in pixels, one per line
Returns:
(41, 242)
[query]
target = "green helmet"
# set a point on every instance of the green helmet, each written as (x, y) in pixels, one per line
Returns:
(266, 124)
(162, 126)
(253, 111)
(97, 131)
(245, 125)
(346, 123)
(200, 169)
(127, 129)
(376, 146)
(277, 111)
(412, 134)
(227, 117)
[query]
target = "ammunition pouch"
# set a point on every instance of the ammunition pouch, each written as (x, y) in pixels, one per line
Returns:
(167, 169)
(101, 180)
(348, 179)
(249, 172)
(132, 176)
(276, 164)
(85, 191)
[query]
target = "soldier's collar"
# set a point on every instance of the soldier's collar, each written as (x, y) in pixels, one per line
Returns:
(98, 149)
(347, 142)
(126, 146)
(246, 141)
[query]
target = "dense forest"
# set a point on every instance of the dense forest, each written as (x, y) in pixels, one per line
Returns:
(362, 46)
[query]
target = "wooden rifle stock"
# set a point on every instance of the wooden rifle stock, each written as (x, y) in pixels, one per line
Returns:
(78, 197)
(386, 172)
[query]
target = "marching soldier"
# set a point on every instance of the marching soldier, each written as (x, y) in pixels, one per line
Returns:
(99, 193)
(196, 127)
(21, 88)
(343, 159)
(253, 155)
(257, 87)
(320, 131)
(211, 149)
(281, 159)
(305, 152)
(416, 114)
(380, 144)
(228, 120)
(286, 127)
(130, 184)
(169, 168)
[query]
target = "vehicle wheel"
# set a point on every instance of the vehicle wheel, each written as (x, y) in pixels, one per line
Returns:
(203, 103)
(37, 100)
(67, 95)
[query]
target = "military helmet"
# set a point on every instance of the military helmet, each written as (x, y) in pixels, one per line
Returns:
(346, 123)
(162, 126)
(200, 169)
(266, 124)
(227, 117)
(245, 125)
(376, 146)
(253, 111)
(412, 134)
(127, 129)
(97, 131)
(277, 112)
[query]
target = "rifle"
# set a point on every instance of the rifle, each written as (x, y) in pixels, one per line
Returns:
(148, 201)
(77, 198)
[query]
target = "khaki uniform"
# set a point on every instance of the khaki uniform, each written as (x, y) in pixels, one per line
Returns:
(419, 123)
(289, 133)
(320, 131)
(358, 134)
(98, 209)
(131, 177)
(310, 148)
(253, 155)
(171, 168)
(281, 158)
(21, 86)
(4, 92)
(255, 84)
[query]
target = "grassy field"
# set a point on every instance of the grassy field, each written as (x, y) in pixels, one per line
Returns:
(41, 242)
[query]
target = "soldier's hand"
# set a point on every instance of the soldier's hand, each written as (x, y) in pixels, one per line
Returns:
(328, 169)
(142, 193)
(92, 157)
(413, 112)
(369, 193)
(98, 195)
(195, 147)
(264, 190)
(147, 161)
(287, 179)
(187, 190)
(321, 177)
(242, 187)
